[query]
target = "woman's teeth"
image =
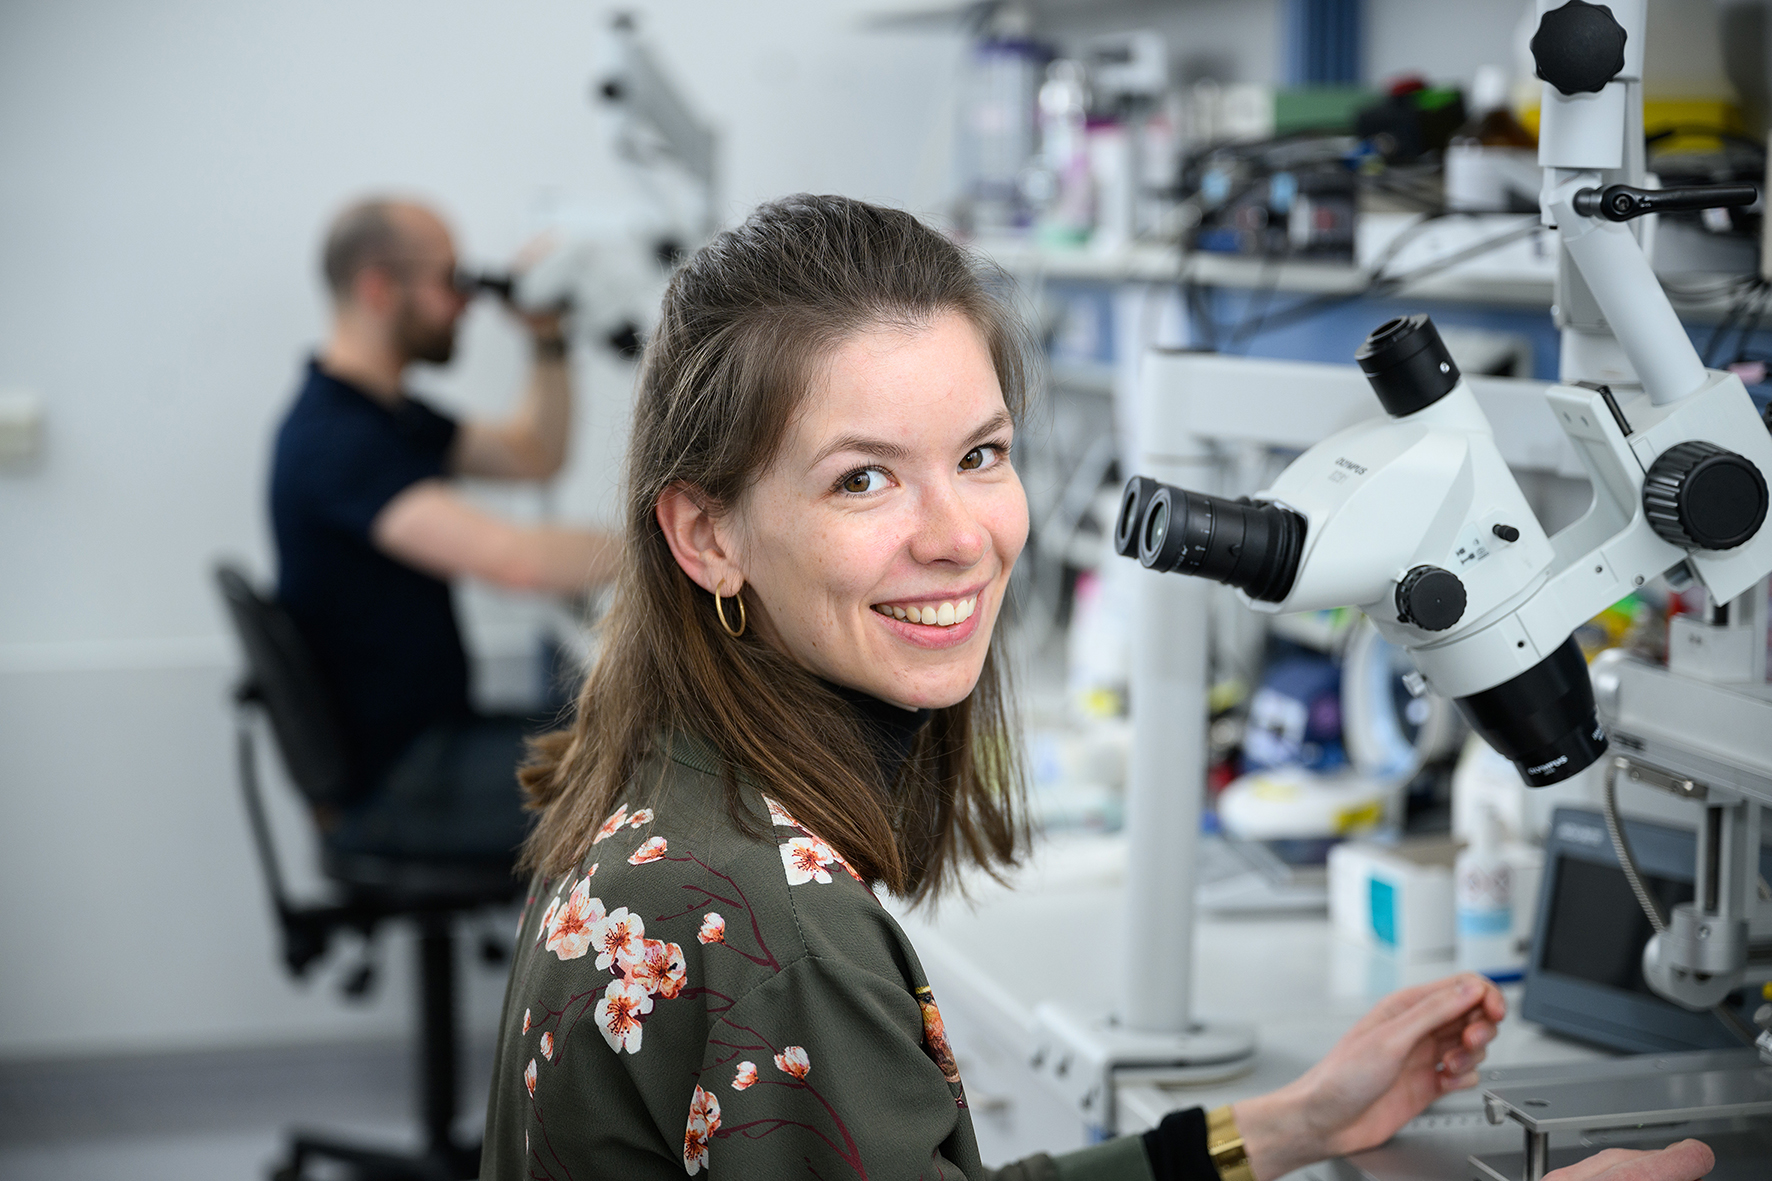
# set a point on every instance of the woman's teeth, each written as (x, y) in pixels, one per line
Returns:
(937, 615)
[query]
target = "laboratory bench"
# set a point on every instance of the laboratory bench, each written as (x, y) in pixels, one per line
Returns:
(1054, 933)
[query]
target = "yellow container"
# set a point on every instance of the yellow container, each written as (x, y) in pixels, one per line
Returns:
(1691, 117)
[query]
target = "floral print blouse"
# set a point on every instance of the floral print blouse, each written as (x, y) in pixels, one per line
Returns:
(693, 1000)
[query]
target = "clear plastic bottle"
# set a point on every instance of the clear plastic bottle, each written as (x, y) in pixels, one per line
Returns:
(1482, 886)
(1491, 157)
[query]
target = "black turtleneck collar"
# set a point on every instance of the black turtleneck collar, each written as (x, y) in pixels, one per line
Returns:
(891, 731)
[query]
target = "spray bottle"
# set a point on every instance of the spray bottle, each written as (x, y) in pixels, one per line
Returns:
(1483, 895)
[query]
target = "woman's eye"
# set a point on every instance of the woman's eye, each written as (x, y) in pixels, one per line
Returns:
(868, 479)
(980, 457)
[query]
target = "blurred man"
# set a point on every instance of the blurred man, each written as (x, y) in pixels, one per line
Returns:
(370, 534)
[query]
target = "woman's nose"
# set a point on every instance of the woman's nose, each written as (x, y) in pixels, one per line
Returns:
(949, 529)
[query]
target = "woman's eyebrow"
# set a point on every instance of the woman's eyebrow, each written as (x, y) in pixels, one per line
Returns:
(1000, 421)
(878, 448)
(881, 449)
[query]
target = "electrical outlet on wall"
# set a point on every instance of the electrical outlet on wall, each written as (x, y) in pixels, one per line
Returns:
(21, 426)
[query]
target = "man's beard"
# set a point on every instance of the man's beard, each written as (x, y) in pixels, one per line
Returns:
(419, 341)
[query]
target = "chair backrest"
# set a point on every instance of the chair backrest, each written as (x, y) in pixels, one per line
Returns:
(283, 677)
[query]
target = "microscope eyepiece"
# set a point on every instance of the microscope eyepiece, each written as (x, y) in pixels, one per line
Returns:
(1543, 719)
(1407, 364)
(1253, 547)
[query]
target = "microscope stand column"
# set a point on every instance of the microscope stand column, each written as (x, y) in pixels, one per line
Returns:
(1154, 1032)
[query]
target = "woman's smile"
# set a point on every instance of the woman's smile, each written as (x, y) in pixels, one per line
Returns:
(940, 621)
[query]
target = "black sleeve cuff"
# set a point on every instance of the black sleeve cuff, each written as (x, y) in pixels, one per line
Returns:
(1177, 1148)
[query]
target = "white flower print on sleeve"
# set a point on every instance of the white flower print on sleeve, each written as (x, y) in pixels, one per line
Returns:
(547, 1046)
(619, 1013)
(571, 932)
(713, 928)
(778, 815)
(650, 849)
(704, 1121)
(611, 826)
(643, 816)
(659, 969)
(547, 919)
(805, 859)
(745, 1077)
(529, 1077)
(794, 1060)
(619, 937)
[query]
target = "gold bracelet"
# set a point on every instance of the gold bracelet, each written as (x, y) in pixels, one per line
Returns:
(1224, 1144)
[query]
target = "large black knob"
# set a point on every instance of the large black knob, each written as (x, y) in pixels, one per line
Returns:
(1699, 496)
(1430, 598)
(1579, 47)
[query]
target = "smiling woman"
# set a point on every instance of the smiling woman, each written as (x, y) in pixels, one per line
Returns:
(822, 430)
(822, 518)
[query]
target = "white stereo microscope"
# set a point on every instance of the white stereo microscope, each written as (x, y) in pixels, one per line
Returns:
(1415, 518)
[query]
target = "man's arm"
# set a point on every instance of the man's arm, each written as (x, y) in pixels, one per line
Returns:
(531, 443)
(429, 527)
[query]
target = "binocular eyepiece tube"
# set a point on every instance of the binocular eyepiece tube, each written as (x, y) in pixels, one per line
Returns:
(1252, 546)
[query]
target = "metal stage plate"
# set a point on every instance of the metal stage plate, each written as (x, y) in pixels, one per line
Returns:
(1660, 1098)
(1743, 1150)
(1454, 1142)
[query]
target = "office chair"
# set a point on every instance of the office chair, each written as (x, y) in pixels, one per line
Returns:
(282, 685)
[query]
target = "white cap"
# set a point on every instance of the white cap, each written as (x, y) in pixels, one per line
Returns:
(1489, 90)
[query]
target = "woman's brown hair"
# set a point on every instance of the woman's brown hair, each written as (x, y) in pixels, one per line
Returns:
(745, 324)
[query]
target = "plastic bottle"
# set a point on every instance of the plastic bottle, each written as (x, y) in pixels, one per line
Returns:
(1482, 886)
(1491, 166)
(1491, 123)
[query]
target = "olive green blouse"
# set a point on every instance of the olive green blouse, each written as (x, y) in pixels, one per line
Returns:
(693, 999)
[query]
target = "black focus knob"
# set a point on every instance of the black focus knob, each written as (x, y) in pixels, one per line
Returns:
(1579, 47)
(1699, 496)
(1430, 598)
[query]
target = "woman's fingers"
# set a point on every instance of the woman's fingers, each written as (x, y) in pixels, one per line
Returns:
(1689, 1160)
(1593, 1166)
(1452, 999)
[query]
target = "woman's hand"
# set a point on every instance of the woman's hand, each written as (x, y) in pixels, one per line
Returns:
(1688, 1160)
(1413, 1047)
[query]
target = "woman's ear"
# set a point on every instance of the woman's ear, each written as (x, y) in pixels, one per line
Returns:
(690, 530)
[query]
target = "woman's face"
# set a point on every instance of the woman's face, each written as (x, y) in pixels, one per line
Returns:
(877, 547)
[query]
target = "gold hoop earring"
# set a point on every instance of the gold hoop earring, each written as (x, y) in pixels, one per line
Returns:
(720, 610)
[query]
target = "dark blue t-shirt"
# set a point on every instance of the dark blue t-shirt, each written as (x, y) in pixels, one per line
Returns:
(384, 633)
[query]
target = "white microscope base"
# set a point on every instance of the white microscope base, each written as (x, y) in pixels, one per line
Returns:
(1083, 1055)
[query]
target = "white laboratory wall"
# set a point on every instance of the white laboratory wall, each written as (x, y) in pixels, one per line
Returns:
(1444, 43)
(165, 171)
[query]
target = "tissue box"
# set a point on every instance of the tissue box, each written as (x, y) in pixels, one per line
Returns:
(1395, 897)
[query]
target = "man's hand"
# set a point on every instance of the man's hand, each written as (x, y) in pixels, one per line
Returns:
(531, 443)
(1688, 1160)
(1413, 1047)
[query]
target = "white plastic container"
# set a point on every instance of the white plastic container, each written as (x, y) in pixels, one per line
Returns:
(1397, 898)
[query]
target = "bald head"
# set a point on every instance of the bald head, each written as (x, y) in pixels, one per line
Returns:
(379, 231)
(391, 268)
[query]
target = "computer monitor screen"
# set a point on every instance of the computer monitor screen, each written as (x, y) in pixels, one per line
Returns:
(1584, 978)
(1596, 928)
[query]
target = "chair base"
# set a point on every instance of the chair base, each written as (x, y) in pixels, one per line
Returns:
(448, 1163)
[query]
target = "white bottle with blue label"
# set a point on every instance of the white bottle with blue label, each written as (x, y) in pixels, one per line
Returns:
(1482, 888)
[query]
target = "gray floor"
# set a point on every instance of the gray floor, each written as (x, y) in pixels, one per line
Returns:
(212, 1116)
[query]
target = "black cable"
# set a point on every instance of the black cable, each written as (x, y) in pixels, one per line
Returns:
(1736, 309)
(1202, 326)
(1378, 288)
(1751, 325)
(1262, 296)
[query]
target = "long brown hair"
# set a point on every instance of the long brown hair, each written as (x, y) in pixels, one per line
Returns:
(744, 325)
